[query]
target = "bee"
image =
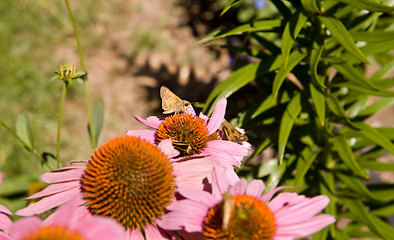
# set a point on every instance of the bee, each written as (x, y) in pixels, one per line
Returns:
(231, 133)
(171, 103)
(227, 208)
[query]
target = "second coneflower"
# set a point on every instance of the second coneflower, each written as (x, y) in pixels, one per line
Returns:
(195, 135)
(127, 179)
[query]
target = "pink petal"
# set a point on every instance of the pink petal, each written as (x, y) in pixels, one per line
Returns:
(199, 196)
(4, 236)
(217, 116)
(151, 121)
(5, 222)
(148, 135)
(134, 234)
(239, 187)
(255, 188)
(302, 211)
(49, 202)
(231, 148)
(220, 183)
(5, 210)
(231, 175)
(190, 110)
(24, 227)
(55, 188)
(151, 232)
(100, 228)
(307, 227)
(63, 175)
(221, 157)
(283, 199)
(168, 149)
(267, 196)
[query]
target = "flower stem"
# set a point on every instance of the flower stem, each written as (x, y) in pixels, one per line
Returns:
(59, 122)
(92, 138)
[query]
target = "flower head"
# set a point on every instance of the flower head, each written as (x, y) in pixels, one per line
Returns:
(63, 224)
(242, 212)
(195, 135)
(127, 179)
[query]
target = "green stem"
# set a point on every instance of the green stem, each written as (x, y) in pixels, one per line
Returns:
(59, 122)
(92, 138)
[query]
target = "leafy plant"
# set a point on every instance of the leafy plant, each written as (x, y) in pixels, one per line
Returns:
(308, 62)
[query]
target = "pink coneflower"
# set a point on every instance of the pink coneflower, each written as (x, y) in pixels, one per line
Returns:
(193, 135)
(5, 221)
(127, 179)
(242, 212)
(62, 224)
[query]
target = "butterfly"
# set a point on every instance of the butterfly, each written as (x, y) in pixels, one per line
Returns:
(231, 133)
(171, 103)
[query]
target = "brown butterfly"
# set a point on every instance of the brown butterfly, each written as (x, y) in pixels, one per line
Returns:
(231, 133)
(171, 103)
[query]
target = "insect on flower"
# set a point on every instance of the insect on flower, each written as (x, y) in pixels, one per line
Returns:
(231, 133)
(171, 103)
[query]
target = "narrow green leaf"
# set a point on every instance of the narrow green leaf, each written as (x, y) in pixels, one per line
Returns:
(350, 73)
(269, 102)
(314, 60)
(375, 136)
(383, 72)
(360, 213)
(266, 168)
(293, 27)
(343, 37)
(275, 177)
(360, 88)
(263, 25)
(374, 48)
(319, 102)
(376, 107)
(356, 185)
(335, 106)
(303, 165)
(327, 187)
(370, 5)
(384, 211)
(375, 36)
(346, 154)
(98, 119)
(24, 131)
(294, 59)
(230, 5)
(240, 78)
(310, 6)
(289, 116)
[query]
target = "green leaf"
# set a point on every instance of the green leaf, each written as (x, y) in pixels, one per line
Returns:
(343, 37)
(230, 5)
(24, 131)
(327, 187)
(266, 168)
(97, 119)
(376, 107)
(375, 165)
(289, 116)
(384, 211)
(360, 213)
(383, 72)
(294, 59)
(310, 6)
(293, 27)
(240, 78)
(375, 36)
(360, 88)
(314, 60)
(370, 5)
(335, 106)
(356, 185)
(275, 177)
(374, 48)
(263, 25)
(319, 102)
(269, 102)
(375, 136)
(304, 163)
(353, 75)
(346, 154)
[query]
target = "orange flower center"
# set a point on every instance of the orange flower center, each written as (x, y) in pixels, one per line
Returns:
(188, 133)
(130, 180)
(54, 233)
(249, 219)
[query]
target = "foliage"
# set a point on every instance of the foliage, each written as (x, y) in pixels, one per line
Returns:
(307, 60)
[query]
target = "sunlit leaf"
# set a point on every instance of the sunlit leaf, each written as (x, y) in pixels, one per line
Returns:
(286, 124)
(338, 30)
(375, 136)
(97, 119)
(345, 152)
(370, 5)
(310, 6)
(319, 101)
(230, 5)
